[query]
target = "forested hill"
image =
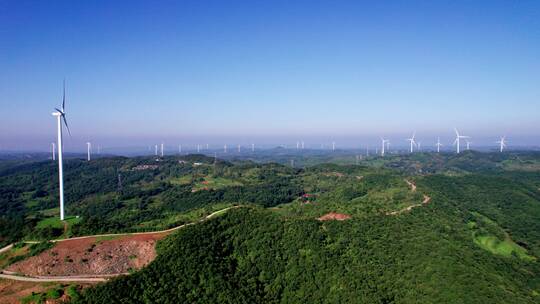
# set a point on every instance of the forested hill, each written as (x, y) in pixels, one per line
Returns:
(419, 228)
(253, 256)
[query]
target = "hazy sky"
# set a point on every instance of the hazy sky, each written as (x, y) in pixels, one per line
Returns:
(147, 71)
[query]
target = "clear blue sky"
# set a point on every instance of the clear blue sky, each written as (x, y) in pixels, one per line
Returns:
(147, 71)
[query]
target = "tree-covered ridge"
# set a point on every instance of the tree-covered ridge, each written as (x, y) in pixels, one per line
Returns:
(253, 256)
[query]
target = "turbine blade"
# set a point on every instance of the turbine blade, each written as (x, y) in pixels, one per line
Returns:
(64, 97)
(65, 122)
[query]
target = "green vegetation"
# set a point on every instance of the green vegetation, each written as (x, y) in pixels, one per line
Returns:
(476, 241)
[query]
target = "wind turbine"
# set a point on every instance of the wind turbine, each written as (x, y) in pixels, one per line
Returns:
(383, 141)
(155, 150)
(161, 149)
(302, 145)
(198, 148)
(252, 147)
(179, 149)
(61, 115)
(502, 143)
(468, 144)
(88, 147)
(225, 148)
(333, 146)
(53, 151)
(239, 149)
(419, 145)
(458, 137)
(411, 140)
(438, 144)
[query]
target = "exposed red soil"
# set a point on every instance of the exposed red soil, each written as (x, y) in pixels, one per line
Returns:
(92, 256)
(13, 291)
(334, 216)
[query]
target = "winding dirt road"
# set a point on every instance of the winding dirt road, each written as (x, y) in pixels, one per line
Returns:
(426, 200)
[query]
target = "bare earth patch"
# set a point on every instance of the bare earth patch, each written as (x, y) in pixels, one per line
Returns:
(334, 216)
(13, 291)
(92, 256)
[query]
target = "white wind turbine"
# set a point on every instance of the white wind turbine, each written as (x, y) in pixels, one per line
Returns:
(53, 151)
(61, 115)
(438, 144)
(88, 147)
(225, 148)
(383, 144)
(412, 142)
(468, 144)
(239, 148)
(252, 147)
(155, 150)
(458, 138)
(161, 149)
(502, 143)
(333, 146)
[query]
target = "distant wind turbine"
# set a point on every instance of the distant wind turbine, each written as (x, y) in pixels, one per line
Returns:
(383, 144)
(239, 147)
(252, 147)
(333, 146)
(88, 147)
(155, 150)
(458, 138)
(412, 142)
(180, 149)
(53, 151)
(61, 116)
(502, 143)
(161, 149)
(225, 148)
(438, 144)
(198, 148)
(468, 145)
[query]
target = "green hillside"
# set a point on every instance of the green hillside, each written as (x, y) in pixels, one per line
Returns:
(422, 228)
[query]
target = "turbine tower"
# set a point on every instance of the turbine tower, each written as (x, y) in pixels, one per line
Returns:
(383, 144)
(179, 149)
(161, 149)
(458, 138)
(252, 147)
(333, 146)
(239, 148)
(411, 140)
(88, 147)
(468, 144)
(225, 148)
(198, 148)
(61, 116)
(155, 150)
(438, 144)
(53, 151)
(502, 143)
